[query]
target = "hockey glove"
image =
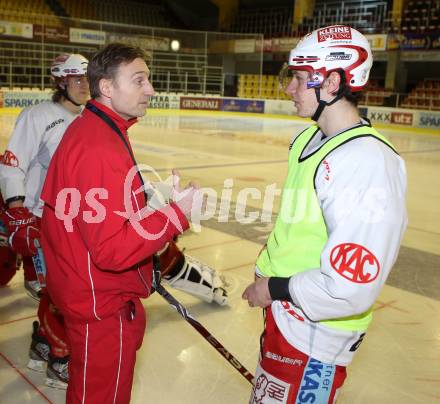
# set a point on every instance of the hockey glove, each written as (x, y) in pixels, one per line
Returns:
(23, 229)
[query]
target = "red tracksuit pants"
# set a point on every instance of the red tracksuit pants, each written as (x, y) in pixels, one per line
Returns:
(103, 355)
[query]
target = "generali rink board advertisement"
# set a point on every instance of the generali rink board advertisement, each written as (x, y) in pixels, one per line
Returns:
(200, 103)
(222, 104)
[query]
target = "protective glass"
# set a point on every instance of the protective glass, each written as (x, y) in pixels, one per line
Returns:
(285, 77)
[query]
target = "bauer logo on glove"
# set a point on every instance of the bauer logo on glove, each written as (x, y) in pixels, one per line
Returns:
(22, 227)
(22, 240)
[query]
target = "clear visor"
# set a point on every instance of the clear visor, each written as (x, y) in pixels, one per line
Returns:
(286, 75)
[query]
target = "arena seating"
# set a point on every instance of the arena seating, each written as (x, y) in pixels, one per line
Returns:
(127, 12)
(272, 21)
(421, 16)
(368, 16)
(249, 87)
(79, 9)
(375, 94)
(426, 95)
(28, 11)
(26, 6)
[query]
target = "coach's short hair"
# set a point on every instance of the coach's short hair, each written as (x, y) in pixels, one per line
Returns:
(105, 63)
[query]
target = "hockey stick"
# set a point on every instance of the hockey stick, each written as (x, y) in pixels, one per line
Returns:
(205, 333)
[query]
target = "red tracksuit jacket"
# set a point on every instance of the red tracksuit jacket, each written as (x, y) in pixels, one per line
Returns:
(98, 261)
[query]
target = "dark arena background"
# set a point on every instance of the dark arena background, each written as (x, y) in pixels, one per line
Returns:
(219, 115)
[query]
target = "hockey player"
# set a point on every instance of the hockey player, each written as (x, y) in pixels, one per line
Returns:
(338, 231)
(37, 132)
(36, 135)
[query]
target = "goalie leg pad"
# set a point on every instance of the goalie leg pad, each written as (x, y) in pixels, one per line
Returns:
(191, 276)
(199, 280)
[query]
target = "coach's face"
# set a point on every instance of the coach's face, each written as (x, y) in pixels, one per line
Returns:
(129, 92)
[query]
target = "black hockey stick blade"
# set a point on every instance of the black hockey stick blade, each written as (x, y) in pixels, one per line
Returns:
(205, 334)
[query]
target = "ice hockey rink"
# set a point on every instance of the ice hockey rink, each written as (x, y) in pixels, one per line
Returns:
(399, 360)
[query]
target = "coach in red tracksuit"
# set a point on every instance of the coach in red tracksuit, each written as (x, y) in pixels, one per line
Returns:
(98, 246)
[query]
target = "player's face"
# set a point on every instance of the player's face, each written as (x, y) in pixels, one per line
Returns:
(303, 97)
(131, 89)
(78, 89)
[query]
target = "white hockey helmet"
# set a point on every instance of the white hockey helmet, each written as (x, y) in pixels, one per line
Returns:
(333, 48)
(69, 65)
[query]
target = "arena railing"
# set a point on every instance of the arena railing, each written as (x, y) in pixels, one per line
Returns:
(196, 63)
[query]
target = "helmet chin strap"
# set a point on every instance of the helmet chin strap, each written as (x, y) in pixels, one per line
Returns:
(67, 97)
(322, 104)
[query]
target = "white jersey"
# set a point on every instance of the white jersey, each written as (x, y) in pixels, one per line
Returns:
(37, 133)
(361, 188)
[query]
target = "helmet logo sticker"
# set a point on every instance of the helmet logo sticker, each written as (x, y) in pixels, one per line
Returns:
(305, 59)
(338, 56)
(71, 71)
(333, 33)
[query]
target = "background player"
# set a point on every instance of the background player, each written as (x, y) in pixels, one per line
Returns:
(37, 133)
